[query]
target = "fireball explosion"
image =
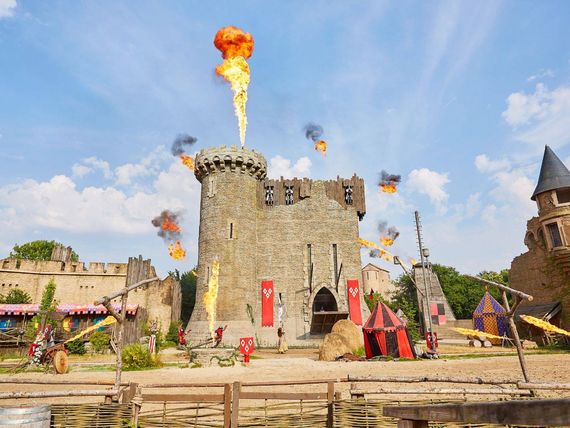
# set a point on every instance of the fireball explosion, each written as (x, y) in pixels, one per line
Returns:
(236, 46)
(211, 296)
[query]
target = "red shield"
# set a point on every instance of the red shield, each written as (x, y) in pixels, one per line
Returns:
(246, 345)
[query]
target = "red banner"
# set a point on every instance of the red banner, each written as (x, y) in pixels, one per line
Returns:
(267, 303)
(354, 301)
(246, 345)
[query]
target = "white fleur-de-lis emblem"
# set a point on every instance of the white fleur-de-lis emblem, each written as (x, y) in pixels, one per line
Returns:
(267, 292)
(353, 291)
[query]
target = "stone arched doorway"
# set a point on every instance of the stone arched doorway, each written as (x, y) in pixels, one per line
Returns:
(325, 312)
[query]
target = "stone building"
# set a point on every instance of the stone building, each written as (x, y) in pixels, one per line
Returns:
(77, 284)
(287, 249)
(544, 270)
(376, 279)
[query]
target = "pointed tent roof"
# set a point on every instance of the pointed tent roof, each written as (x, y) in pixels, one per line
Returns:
(553, 174)
(488, 305)
(382, 318)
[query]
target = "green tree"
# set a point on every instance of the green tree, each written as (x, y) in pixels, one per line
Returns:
(16, 296)
(37, 250)
(188, 286)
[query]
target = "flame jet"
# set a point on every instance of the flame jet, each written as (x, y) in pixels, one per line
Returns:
(170, 231)
(211, 297)
(179, 149)
(236, 47)
(313, 132)
(389, 182)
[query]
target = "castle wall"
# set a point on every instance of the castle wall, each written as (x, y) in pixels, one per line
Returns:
(378, 280)
(283, 233)
(256, 241)
(76, 285)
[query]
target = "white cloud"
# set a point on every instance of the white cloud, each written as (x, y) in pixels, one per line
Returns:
(430, 183)
(59, 204)
(540, 75)
(80, 171)
(281, 167)
(7, 8)
(488, 214)
(485, 164)
(148, 166)
(91, 164)
(544, 115)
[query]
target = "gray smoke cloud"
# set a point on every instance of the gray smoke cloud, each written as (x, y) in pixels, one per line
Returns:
(165, 223)
(313, 131)
(374, 253)
(389, 232)
(181, 143)
(387, 178)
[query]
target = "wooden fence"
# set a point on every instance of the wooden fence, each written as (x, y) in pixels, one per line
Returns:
(345, 402)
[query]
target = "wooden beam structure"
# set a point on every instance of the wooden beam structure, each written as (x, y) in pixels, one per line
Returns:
(523, 412)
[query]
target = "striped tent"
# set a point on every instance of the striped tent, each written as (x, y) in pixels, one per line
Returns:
(385, 334)
(490, 317)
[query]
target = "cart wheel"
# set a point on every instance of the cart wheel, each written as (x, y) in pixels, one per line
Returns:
(60, 362)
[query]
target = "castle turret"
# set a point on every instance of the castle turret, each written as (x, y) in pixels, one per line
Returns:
(544, 271)
(229, 177)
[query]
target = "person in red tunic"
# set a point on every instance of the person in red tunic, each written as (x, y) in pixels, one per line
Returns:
(181, 334)
(219, 334)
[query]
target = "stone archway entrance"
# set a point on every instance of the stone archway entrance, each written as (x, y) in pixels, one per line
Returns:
(325, 312)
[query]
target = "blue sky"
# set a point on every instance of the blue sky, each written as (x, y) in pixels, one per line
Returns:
(457, 97)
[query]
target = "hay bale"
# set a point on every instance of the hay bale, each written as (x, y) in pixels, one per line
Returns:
(475, 343)
(529, 344)
(487, 344)
(350, 332)
(334, 345)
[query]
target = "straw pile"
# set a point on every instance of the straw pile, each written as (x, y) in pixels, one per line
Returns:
(345, 337)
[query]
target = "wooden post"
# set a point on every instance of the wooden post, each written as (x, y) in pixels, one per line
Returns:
(514, 331)
(407, 423)
(129, 394)
(227, 405)
(137, 404)
(235, 404)
(330, 400)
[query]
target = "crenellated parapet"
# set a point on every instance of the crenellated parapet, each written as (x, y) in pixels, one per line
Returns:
(223, 159)
(348, 192)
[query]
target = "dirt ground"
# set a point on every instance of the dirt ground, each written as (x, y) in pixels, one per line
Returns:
(299, 364)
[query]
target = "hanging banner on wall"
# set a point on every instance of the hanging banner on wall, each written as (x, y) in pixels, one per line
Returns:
(354, 301)
(267, 303)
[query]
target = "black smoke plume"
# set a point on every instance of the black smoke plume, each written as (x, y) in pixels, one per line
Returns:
(386, 178)
(181, 142)
(167, 224)
(374, 253)
(313, 131)
(388, 232)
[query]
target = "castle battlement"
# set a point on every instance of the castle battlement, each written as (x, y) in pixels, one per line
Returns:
(58, 267)
(234, 159)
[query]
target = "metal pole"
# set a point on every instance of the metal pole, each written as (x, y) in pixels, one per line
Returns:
(424, 267)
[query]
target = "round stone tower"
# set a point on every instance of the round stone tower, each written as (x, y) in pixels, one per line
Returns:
(230, 178)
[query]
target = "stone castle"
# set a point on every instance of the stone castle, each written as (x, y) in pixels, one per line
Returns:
(299, 237)
(77, 284)
(544, 270)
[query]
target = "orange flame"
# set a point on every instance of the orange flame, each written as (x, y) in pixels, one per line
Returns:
(413, 261)
(236, 46)
(176, 251)
(211, 296)
(188, 161)
(321, 146)
(389, 188)
(169, 225)
(387, 242)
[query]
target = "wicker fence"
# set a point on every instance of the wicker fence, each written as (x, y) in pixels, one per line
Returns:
(348, 402)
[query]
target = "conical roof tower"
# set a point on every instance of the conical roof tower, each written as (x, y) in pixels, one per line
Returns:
(553, 174)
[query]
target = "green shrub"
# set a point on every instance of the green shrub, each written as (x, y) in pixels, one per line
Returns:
(100, 341)
(172, 335)
(76, 347)
(136, 357)
(169, 344)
